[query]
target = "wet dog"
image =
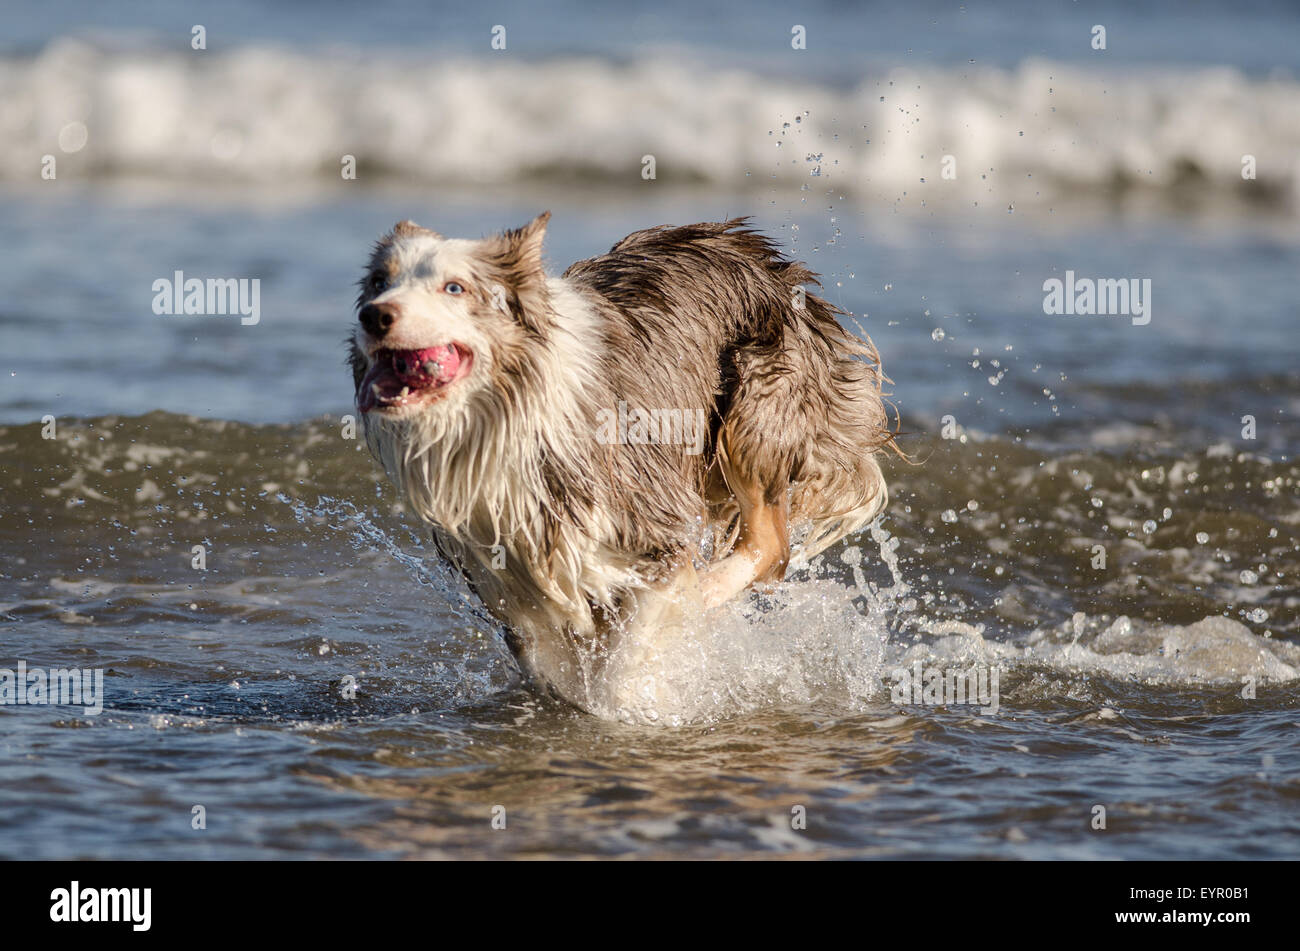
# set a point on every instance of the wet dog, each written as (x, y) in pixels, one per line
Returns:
(648, 434)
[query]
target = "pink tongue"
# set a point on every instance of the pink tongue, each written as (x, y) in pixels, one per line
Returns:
(421, 367)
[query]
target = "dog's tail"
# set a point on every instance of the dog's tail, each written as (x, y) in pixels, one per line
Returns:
(841, 487)
(803, 411)
(837, 486)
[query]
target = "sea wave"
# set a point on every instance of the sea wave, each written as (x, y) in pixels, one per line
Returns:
(269, 114)
(1152, 568)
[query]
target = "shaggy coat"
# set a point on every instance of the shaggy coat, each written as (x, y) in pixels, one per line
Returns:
(565, 522)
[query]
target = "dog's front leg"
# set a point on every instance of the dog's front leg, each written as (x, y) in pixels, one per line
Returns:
(762, 548)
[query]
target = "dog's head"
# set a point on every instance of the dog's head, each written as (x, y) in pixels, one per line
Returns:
(442, 320)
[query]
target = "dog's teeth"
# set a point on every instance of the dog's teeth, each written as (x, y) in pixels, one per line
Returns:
(374, 388)
(405, 390)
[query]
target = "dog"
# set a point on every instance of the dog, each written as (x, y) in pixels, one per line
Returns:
(650, 434)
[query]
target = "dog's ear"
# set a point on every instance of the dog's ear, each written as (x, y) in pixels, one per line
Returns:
(526, 243)
(517, 256)
(407, 228)
(403, 229)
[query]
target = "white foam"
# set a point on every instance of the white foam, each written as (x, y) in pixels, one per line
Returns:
(1214, 650)
(275, 115)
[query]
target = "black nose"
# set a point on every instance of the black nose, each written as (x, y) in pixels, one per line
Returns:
(378, 318)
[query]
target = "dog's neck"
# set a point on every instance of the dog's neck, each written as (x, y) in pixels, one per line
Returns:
(510, 471)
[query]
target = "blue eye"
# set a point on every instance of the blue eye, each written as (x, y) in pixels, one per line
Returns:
(379, 282)
(451, 287)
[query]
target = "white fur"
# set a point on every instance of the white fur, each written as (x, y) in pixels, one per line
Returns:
(473, 470)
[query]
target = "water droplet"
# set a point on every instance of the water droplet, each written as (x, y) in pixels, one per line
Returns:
(937, 334)
(1202, 538)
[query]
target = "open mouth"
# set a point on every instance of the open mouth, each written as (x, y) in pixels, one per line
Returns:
(404, 377)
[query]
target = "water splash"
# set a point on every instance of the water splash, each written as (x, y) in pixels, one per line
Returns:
(811, 639)
(433, 573)
(477, 674)
(825, 639)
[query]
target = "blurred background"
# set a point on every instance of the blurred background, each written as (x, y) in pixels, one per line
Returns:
(226, 162)
(1168, 447)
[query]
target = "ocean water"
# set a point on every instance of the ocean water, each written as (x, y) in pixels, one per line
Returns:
(325, 687)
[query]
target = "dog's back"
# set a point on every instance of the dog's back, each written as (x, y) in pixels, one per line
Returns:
(712, 315)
